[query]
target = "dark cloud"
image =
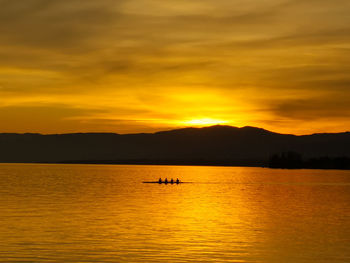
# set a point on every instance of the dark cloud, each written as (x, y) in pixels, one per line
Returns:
(334, 106)
(45, 24)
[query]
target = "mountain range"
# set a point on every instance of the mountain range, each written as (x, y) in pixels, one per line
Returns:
(215, 145)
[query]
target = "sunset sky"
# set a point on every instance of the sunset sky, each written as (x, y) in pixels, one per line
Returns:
(130, 66)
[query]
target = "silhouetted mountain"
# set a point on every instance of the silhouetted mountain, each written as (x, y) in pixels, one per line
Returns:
(217, 145)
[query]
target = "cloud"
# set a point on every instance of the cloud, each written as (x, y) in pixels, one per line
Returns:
(333, 107)
(44, 24)
(40, 118)
(132, 58)
(51, 118)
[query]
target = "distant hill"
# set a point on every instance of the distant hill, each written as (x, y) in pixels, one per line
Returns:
(215, 145)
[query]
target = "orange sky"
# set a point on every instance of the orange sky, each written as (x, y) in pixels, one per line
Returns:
(148, 65)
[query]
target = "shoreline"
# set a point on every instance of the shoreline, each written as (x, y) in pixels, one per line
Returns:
(174, 164)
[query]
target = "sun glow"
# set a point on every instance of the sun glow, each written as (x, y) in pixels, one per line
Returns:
(205, 121)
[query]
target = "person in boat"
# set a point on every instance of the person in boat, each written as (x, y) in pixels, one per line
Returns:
(160, 180)
(172, 181)
(166, 180)
(177, 180)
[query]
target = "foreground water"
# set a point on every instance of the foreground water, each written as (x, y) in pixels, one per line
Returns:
(92, 213)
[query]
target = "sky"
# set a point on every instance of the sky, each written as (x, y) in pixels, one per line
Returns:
(130, 66)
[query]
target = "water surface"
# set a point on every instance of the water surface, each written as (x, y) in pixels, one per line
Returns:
(101, 213)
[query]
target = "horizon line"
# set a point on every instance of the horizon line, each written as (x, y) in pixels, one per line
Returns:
(169, 130)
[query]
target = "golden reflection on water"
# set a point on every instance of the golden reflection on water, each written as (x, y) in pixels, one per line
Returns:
(89, 213)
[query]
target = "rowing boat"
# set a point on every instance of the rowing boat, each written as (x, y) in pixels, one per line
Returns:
(157, 182)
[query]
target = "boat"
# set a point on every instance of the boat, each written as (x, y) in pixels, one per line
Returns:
(157, 182)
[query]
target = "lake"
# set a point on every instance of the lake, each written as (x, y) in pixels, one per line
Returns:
(104, 213)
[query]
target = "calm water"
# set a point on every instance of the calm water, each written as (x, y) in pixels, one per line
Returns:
(92, 213)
